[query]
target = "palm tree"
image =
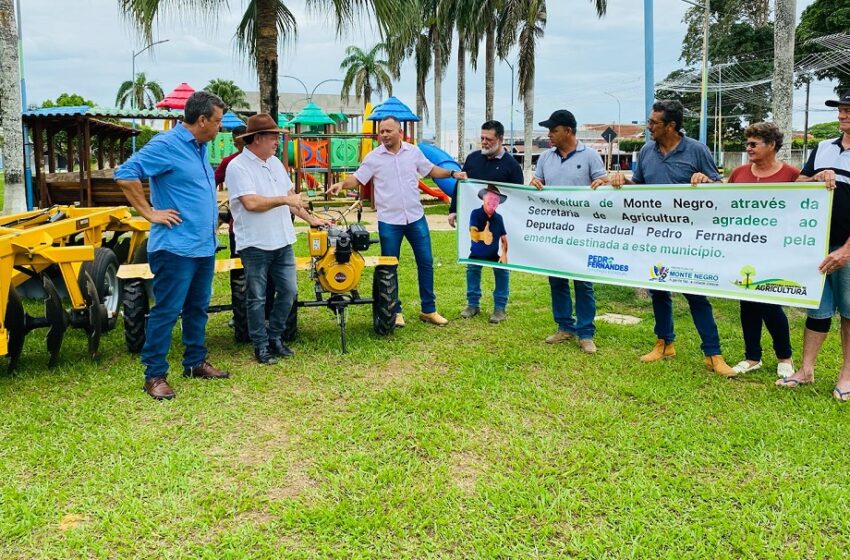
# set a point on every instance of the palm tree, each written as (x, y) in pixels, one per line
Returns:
(468, 25)
(523, 23)
(232, 95)
(406, 43)
(783, 69)
(141, 94)
(10, 115)
(366, 72)
(265, 24)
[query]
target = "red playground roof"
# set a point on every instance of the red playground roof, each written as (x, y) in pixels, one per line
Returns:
(177, 98)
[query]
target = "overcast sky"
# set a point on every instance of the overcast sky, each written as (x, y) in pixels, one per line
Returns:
(88, 50)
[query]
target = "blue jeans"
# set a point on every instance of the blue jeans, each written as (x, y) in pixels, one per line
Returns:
(182, 286)
(259, 264)
(836, 293)
(562, 307)
(662, 307)
(418, 236)
(473, 286)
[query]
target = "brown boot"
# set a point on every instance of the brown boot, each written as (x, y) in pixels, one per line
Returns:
(205, 370)
(660, 351)
(158, 388)
(719, 366)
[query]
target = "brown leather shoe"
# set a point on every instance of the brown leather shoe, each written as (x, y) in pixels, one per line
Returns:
(158, 388)
(660, 351)
(205, 370)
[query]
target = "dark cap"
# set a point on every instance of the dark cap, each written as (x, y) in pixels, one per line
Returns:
(562, 117)
(843, 100)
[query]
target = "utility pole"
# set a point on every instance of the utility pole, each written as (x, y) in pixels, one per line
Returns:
(648, 59)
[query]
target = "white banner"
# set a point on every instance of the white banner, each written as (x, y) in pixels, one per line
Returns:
(759, 242)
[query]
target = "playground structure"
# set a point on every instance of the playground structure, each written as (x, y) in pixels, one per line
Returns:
(82, 244)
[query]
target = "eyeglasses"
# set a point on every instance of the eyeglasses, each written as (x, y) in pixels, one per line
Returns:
(753, 144)
(654, 123)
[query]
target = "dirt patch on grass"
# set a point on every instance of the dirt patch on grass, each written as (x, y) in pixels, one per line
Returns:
(297, 481)
(466, 468)
(71, 521)
(394, 370)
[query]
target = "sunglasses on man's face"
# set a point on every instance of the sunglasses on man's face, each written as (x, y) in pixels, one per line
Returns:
(754, 144)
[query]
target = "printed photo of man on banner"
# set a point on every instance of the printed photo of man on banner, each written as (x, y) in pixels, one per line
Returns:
(756, 242)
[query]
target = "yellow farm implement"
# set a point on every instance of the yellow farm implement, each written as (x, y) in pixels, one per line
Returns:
(65, 250)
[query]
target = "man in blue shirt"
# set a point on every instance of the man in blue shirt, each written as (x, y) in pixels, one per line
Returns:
(181, 247)
(491, 163)
(671, 158)
(570, 163)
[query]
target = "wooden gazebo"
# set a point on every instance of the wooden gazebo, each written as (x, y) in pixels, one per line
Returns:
(89, 139)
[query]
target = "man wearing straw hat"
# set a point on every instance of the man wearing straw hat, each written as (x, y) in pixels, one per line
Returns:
(262, 201)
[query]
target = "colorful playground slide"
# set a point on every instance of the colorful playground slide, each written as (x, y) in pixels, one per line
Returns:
(438, 157)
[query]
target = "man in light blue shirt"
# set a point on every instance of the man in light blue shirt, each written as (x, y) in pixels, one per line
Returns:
(570, 163)
(181, 248)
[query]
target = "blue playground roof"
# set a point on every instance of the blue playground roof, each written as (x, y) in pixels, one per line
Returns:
(393, 107)
(231, 121)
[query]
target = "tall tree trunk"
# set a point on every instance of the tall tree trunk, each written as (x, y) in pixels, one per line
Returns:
(438, 93)
(420, 94)
(367, 92)
(783, 70)
(461, 100)
(10, 112)
(528, 118)
(489, 70)
(267, 56)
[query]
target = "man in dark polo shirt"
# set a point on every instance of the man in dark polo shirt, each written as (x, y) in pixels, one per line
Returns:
(491, 163)
(830, 163)
(671, 158)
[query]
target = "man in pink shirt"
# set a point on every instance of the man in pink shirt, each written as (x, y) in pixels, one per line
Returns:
(394, 168)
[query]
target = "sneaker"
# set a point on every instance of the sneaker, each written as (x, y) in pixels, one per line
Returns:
(399, 320)
(587, 345)
(719, 366)
(469, 312)
(434, 318)
(745, 366)
(660, 351)
(784, 370)
(559, 336)
(498, 316)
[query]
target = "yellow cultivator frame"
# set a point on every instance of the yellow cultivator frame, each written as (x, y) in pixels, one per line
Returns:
(68, 237)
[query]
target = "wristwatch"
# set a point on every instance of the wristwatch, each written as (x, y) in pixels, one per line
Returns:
(452, 174)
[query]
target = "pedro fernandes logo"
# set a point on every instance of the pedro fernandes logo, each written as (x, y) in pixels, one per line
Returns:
(773, 285)
(604, 262)
(658, 273)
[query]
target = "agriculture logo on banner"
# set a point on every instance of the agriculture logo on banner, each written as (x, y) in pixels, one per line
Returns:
(759, 242)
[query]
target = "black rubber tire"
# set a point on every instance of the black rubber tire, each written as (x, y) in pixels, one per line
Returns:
(135, 311)
(135, 304)
(384, 299)
(239, 302)
(104, 271)
(121, 248)
(290, 328)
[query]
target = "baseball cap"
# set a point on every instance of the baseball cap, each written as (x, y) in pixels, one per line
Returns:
(560, 117)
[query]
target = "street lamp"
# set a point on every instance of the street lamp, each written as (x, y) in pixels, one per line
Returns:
(511, 66)
(133, 85)
(323, 82)
(299, 81)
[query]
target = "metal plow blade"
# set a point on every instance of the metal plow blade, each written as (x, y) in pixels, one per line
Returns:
(57, 319)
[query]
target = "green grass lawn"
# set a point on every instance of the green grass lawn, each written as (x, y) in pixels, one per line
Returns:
(469, 441)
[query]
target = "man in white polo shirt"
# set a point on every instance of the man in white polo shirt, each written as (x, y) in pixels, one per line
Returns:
(261, 199)
(395, 167)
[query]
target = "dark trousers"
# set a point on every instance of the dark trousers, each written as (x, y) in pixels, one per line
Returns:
(753, 314)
